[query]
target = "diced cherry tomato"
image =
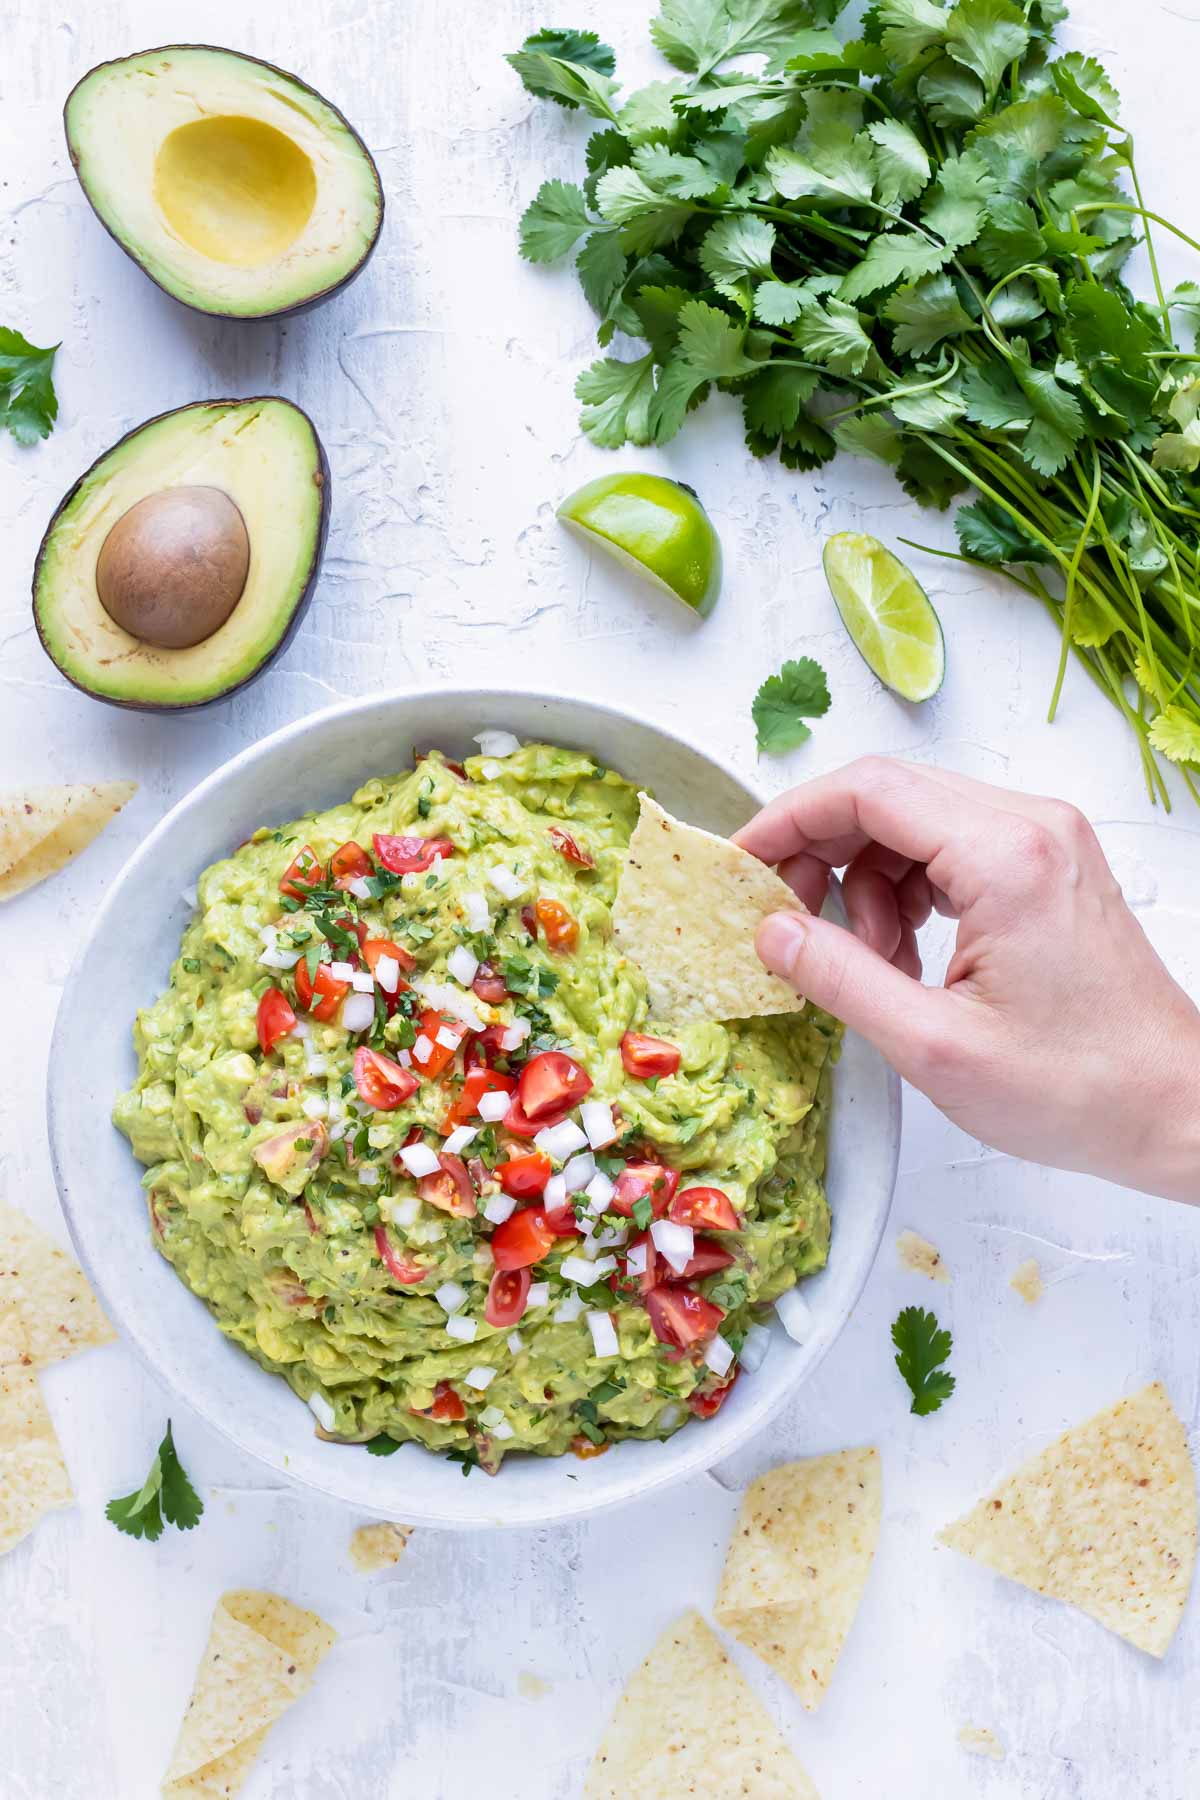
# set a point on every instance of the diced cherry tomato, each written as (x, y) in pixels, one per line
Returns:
(560, 926)
(275, 1019)
(484, 1049)
(645, 1058)
(447, 1405)
(561, 1220)
(302, 873)
(529, 921)
(705, 1405)
(524, 1177)
(706, 1258)
(348, 863)
(404, 1269)
(583, 1447)
(439, 1054)
(381, 1082)
(638, 1179)
(451, 1190)
(522, 1239)
(566, 846)
(653, 1272)
(681, 1317)
(489, 985)
(374, 948)
(327, 993)
(477, 1083)
(507, 1296)
(709, 1208)
(550, 1085)
(409, 855)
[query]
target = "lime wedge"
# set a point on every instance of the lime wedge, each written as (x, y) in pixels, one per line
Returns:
(887, 613)
(654, 526)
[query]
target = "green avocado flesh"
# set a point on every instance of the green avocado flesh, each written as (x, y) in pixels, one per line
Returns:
(266, 457)
(232, 184)
(286, 1242)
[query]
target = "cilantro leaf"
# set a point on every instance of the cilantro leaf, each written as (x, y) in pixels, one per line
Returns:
(166, 1493)
(991, 535)
(902, 165)
(893, 256)
(925, 312)
(1177, 734)
(735, 249)
(651, 216)
(921, 1347)
(711, 344)
(841, 169)
(986, 36)
(382, 1445)
(783, 702)
(617, 397)
(911, 27)
(601, 266)
(553, 222)
(834, 335)
(568, 82)
(28, 403)
(580, 47)
(698, 35)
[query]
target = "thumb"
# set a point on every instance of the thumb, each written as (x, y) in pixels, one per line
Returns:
(828, 965)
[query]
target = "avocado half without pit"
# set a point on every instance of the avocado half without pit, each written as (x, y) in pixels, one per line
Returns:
(181, 563)
(231, 183)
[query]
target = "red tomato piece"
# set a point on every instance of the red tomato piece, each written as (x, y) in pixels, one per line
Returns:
(653, 1273)
(560, 926)
(706, 1404)
(275, 1019)
(709, 1208)
(374, 948)
(583, 1447)
(522, 1239)
(440, 1055)
(507, 1296)
(302, 873)
(561, 1220)
(681, 1317)
(638, 1179)
(524, 1177)
(529, 921)
(550, 1085)
(381, 1082)
(479, 1081)
(447, 1405)
(451, 1190)
(566, 846)
(489, 985)
(409, 855)
(484, 1047)
(645, 1058)
(706, 1258)
(348, 863)
(323, 996)
(404, 1269)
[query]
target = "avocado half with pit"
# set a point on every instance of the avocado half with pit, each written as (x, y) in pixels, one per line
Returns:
(232, 184)
(181, 563)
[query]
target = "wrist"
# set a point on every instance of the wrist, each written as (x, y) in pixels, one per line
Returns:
(1170, 1165)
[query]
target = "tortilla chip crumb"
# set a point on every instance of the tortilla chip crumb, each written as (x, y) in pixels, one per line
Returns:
(1027, 1281)
(378, 1546)
(921, 1257)
(531, 1686)
(977, 1740)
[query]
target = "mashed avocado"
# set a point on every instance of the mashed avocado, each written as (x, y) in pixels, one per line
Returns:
(411, 1137)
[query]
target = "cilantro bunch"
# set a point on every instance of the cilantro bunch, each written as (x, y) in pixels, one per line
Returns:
(907, 245)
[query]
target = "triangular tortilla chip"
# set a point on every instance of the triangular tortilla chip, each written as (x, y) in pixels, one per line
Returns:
(798, 1562)
(688, 1724)
(41, 828)
(686, 911)
(47, 1292)
(1104, 1518)
(33, 1475)
(261, 1655)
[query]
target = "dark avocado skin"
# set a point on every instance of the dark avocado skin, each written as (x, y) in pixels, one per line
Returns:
(298, 610)
(214, 312)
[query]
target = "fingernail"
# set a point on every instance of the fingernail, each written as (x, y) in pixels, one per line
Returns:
(780, 941)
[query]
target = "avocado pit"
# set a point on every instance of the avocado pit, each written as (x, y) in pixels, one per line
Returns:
(173, 567)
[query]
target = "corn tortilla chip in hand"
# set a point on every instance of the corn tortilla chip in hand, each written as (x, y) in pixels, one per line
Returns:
(42, 828)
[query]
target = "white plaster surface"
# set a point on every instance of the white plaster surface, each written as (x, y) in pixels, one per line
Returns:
(441, 384)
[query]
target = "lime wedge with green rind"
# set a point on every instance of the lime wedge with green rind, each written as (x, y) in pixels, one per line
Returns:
(887, 613)
(656, 527)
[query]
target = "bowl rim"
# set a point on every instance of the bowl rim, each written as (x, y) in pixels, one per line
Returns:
(680, 1459)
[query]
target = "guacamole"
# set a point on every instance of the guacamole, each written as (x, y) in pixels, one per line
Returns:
(411, 1137)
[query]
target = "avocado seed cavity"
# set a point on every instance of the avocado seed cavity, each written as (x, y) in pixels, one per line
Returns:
(173, 567)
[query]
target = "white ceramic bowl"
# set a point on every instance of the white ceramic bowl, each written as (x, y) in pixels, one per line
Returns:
(124, 965)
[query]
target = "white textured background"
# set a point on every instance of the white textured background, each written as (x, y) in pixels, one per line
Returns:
(441, 384)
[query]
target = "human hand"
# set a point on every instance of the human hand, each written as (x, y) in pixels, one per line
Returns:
(1058, 1036)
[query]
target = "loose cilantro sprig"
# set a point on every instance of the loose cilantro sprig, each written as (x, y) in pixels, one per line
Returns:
(28, 403)
(166, 1494)
(784, 701)
(907, 244)
(921, 1347)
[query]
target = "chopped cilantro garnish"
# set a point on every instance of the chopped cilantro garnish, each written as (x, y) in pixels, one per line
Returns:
(166, 1493)
(383, 1445)
(643, 1212)
(531, 980)
(191, 965)
(921, 1345)
(469, 1458)
(423, 805)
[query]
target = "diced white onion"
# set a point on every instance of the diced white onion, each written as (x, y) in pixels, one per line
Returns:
(358, 887)
(516, 1342)
(436, 866)
(635, 1261)
(447, 998)
(462, 1329)
(554, 1194)
(497, 743)
(670, 1416)
(482, 1256)
(369, 1176)
(459, 1138)
(493, 1105)
(406, 1210)
(315, 1106)
(719, 1355)
(597, 1119)
(419, 1160)
(462, 964)
(506, 882)
(491, 1415)
(604, 1334)
(301, 1029)
(272, 956)
(539, 1294)
(337, 1131)
(358, 1011)
(599, 1191)
(676, 1242)
(362, 981)
(514, 1035)
(583, 1273)
(579, 1172)
(610, 1239)
(447, 1037)
(794, 1314)
(568, 1310)
(498, 1208)
(341, 971)
(480, 1376)
(502, 1430)
(387, 973)
(450, 1296)
(379, 1136)
(404, 1058)
(475, 905)
(561, 1141)
(322, 1411)
(422, 1048)
(755, 1345)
